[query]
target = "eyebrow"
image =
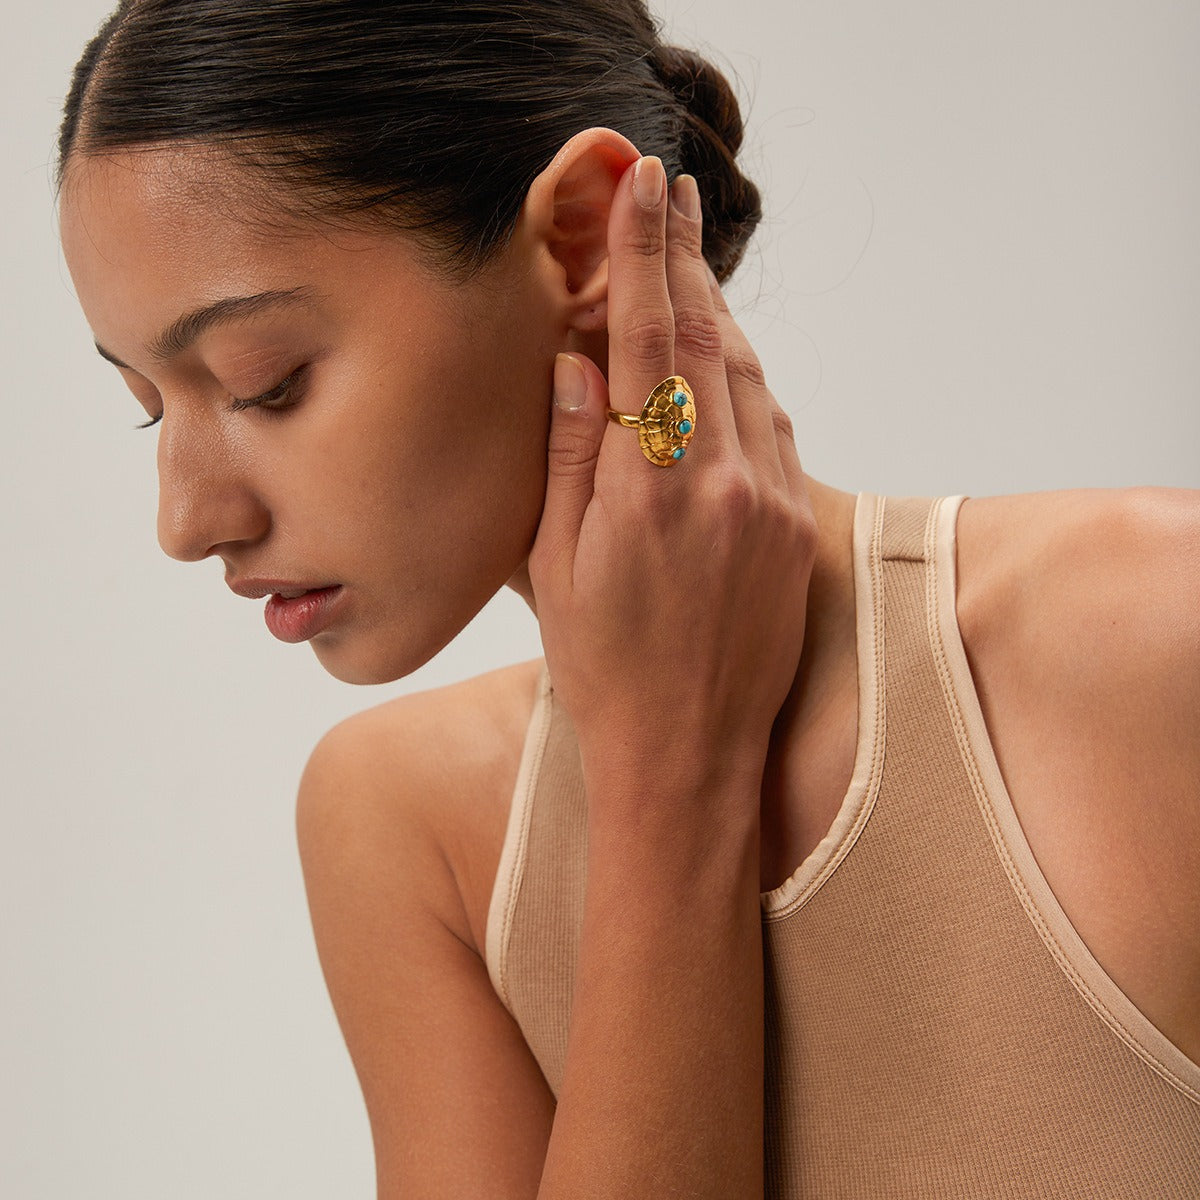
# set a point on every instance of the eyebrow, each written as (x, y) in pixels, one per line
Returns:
(179, 335)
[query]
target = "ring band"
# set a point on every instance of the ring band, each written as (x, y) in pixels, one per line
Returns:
(667, 421)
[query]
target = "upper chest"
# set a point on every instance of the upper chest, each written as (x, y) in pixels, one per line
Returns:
(1092, 795)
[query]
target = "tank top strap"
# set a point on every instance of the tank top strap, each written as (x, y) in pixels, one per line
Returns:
(920, 983)
(908, 527)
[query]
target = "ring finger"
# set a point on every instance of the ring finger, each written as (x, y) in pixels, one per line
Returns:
(702, 346)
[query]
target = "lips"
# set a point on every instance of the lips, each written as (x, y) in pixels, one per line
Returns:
(304, 614)
(295, 610)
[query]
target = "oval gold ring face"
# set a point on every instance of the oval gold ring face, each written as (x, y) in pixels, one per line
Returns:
(668, 421)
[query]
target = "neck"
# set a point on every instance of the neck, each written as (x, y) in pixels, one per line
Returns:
(829, 615)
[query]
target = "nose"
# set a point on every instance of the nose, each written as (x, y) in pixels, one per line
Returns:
(206, 493)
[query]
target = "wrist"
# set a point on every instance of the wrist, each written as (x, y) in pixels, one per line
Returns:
(674, 759)
(675, 788)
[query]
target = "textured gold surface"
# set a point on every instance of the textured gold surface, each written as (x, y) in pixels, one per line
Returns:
(658, 426)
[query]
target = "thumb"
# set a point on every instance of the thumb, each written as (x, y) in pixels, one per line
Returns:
(577, 423)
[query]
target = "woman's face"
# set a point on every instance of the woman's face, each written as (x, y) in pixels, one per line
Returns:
(398, 454)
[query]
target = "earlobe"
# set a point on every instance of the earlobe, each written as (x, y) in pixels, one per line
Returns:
(566, 210)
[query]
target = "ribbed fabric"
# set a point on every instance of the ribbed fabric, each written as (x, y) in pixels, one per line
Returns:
(934, 1025)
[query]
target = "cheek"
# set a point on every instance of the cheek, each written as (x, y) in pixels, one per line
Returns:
(479, 485)
(427, 539)
(437, 468)
(426, 497)
(477, 420)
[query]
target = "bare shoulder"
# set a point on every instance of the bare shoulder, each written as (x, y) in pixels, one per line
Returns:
(1103, 581)
(423, 782)
(1080, 614)
(387, 803)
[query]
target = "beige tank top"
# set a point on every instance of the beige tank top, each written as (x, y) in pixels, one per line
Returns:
(934, 1024)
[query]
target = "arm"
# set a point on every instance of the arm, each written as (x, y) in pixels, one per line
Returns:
(456, 1102)
(667, 1013)
(662, 1090)
(671, 604)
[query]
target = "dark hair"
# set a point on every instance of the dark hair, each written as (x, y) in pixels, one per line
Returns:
(436, 115)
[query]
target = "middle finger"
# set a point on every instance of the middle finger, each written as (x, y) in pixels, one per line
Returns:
(644, 320)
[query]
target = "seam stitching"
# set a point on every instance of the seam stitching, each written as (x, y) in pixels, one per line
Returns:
(518, 867)
(879, 734)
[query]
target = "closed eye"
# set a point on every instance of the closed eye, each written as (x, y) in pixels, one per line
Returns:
(283, 395)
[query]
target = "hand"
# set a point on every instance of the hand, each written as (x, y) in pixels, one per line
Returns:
(671, 600)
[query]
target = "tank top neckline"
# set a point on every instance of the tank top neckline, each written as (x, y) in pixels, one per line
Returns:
(990, 794)
(855, 809)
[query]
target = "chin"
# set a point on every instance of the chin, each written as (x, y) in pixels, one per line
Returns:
(363, 661)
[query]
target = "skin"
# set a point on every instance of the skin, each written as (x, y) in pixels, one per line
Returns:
(735, 527)
(422, 511)
(411, 470)
(446, 498)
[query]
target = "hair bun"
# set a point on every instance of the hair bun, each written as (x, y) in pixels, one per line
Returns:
(710, 140)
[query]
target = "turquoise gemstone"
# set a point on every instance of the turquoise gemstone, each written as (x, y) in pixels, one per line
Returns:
(679, 453)
(680, 398)
(685, 427)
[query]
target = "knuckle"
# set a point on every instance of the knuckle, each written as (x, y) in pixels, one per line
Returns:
(697, 333)
(650, 336)
(807, 532)
(734, 493)
(783, 424)
(645, 240)
(806, 536)
(782, 510)
(570, 449)
(720, 303)
(743, 364)
(687, 238)
(788, 523)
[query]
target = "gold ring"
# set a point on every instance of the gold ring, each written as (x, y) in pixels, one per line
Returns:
(666, 423)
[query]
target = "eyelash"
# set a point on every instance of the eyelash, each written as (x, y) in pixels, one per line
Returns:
(285, 390)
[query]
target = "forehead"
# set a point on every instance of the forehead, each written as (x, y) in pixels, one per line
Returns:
(148, 234)
(148, 231)
(155, 199)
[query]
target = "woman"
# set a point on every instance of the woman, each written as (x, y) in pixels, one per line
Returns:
(775, 890)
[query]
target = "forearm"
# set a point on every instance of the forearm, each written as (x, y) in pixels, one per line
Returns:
(662, 1091)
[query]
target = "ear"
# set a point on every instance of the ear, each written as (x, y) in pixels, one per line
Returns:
(565, 218)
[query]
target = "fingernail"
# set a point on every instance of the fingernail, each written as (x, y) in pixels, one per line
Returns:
(685, 195)
(649, 182)
(570, 386)
(712, 279)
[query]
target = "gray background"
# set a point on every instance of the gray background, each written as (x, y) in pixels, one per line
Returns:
(979, 272)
